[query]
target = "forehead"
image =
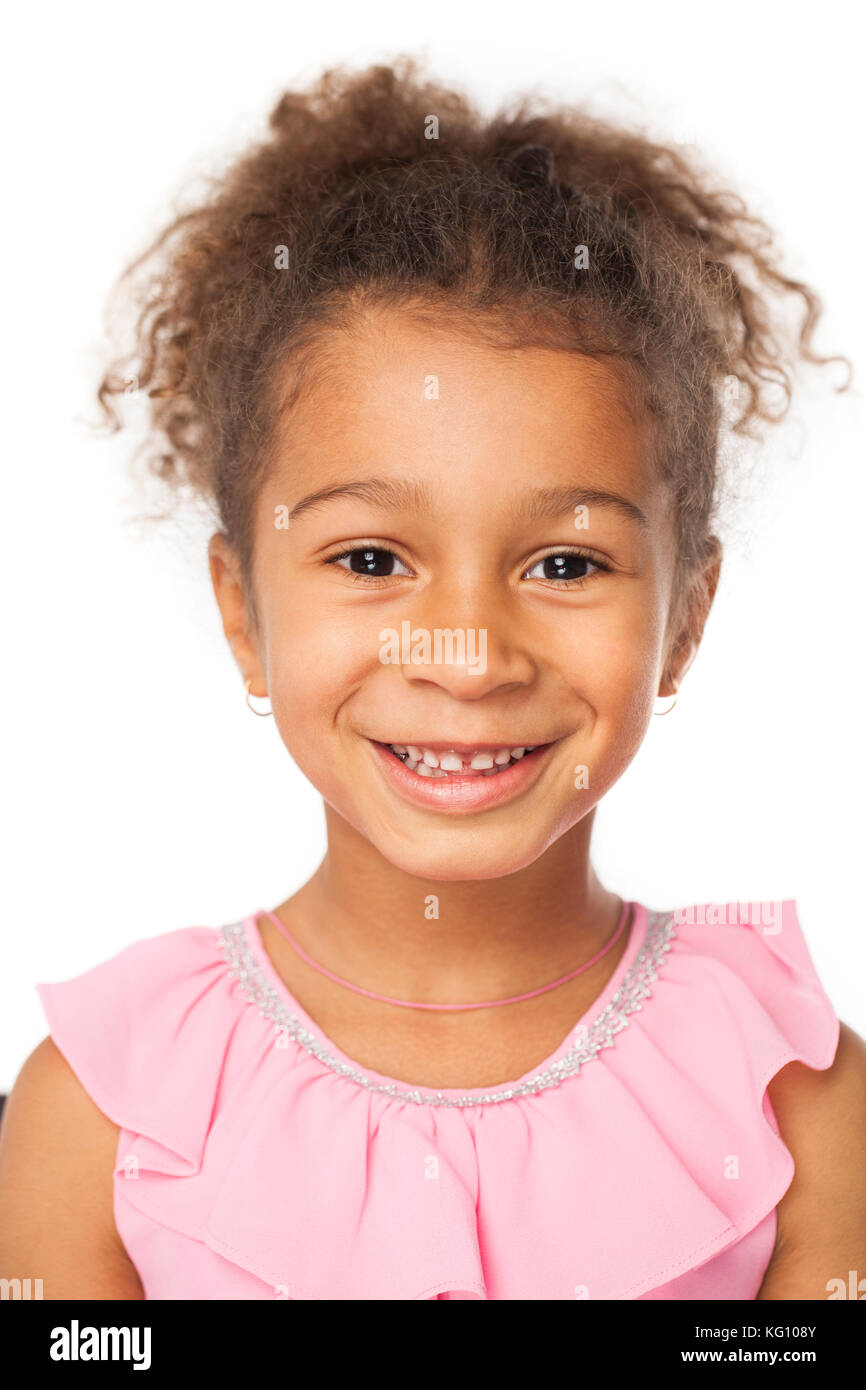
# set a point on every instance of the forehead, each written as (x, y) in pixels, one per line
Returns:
(435, 399)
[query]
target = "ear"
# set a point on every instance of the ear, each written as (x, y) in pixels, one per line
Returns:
(695, 611)
(237, 620)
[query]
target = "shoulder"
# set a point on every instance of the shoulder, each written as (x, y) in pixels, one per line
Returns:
(57, 1154)
(174, 953)
(821, 1117)
(125, 1012)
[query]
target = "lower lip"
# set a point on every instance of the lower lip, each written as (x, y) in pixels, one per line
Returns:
(455, 793)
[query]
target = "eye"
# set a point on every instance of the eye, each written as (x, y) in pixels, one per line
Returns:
(565, 567)
(369, 562)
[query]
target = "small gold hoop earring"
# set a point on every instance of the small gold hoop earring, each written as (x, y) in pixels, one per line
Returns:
(669, 708)
(263, 713)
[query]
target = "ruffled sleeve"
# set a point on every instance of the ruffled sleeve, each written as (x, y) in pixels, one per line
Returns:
(645, 1163)
(740, 999)
(145, 1033)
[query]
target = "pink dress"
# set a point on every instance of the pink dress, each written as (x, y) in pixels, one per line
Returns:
(641, 1160)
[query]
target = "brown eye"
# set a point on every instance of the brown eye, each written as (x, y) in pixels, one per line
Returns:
(564, 566)
(369, 561)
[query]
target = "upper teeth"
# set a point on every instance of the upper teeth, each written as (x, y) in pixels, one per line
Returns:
(457, 762)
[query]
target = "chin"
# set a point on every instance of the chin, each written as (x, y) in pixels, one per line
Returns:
(459, 861)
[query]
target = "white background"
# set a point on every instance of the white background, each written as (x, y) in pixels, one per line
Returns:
(140, 794)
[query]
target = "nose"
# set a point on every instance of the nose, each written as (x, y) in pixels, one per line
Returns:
(466, 647)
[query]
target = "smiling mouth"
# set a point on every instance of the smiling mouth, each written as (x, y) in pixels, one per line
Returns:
(460, 762)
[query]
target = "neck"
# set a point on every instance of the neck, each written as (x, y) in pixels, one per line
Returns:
(369, 921)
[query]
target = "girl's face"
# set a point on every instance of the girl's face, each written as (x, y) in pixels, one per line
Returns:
(463, 551)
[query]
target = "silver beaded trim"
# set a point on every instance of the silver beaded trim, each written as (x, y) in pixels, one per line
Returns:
(588, 1042)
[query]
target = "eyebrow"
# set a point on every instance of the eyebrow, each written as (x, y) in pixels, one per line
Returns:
(401, 493)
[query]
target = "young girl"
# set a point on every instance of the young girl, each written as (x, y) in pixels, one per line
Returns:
(456, 387)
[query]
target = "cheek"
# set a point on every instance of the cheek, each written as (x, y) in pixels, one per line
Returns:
(613, 664)
(626, 681)
(313, 666)
(613, 673)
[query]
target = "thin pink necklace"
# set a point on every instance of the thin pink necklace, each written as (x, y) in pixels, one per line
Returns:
(409, 1004)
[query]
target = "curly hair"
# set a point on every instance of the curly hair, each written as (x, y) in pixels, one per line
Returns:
(381, 187)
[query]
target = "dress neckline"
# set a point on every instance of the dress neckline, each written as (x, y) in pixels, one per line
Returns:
(650, 936)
